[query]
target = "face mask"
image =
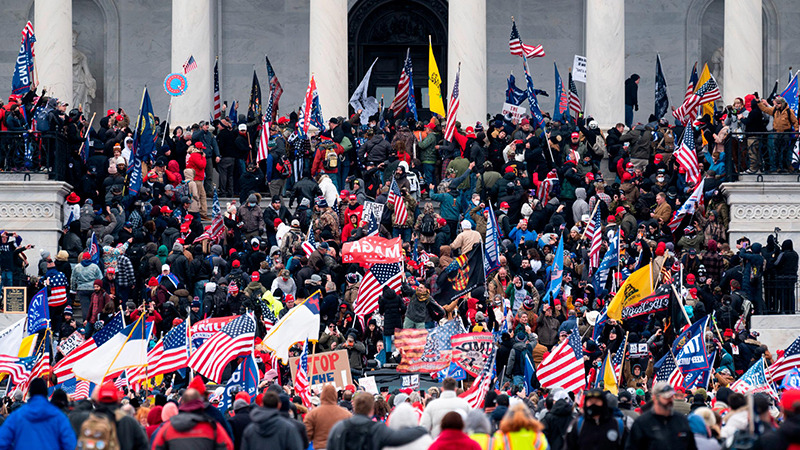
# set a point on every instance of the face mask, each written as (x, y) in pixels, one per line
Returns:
(592, 410)
(251, 204)
(660, 179)
(476, 202)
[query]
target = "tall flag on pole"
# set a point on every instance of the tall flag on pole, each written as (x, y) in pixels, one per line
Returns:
(275, 88)
(611, 259)
(311, 113)
(452, 109)
(517, 48)
(63, 369)
(556, 273)
(189, 65)
(123, 350)
(694, 359)
(396, 198)
(687, 155)
(790, 94)
(491, 258)
(661, 100)
(562, 98)
(435, 99)
(707, 107)
(255, 97)
(170, 354)
(594, 232)
(404, 99)
(23, 71)
(692, 83)
(299, 324)
(371, 289)
(38, 312)
(514, 95)
(263, 139)
(144, 137)
(755, 380)
(688, 207)
(708, 92)
(243, 379)
(217, 95)
(18, 368)
(360, 101)
(94, 250)
(575, 106)
(531, 91)
(234, 339)
(669, 372)
(301, 385)
(563, 367)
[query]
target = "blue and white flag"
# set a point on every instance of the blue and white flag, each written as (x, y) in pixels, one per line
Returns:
(599, 325)
(144, 136)
(693, 359)
(23, 71)
(514, 95)
(561, 104)
(556, 273)
(124, 350)
(233, 116)
(38, 312)
(530, 372)
(531, 92)
(244, 379)
(452, 371)
(790, 94)
(755, 381)
(491, 262)
(791, 380)
(611, 259)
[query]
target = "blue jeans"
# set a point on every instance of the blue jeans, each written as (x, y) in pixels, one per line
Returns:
(429, 170)
(7, 278)
(344, 171)
(404, 233)
(200, 292)
(628, 115)
(518, 380)
(388, 344)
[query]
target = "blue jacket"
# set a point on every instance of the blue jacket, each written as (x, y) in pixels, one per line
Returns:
(449, 206)
(37, 424)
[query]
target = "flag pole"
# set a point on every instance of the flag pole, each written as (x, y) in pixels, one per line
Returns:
(127, 338)
(166, 122)
(591, 217)
(91, 121)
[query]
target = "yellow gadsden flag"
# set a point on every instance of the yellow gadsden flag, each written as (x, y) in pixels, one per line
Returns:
(635, 288)
(434, 84)
(706, 108)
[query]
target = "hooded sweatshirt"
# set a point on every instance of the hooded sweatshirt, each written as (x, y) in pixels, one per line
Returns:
(37, 424)
(322, 418)
(270, 426)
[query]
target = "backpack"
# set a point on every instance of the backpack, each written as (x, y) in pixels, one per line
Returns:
(40, 116)
(741, 440)
(182, 190)
(98, 432)
(284, 166)
(331, 160)
(428, 226)
(357, 437)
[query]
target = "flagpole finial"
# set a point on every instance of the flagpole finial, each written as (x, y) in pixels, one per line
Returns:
(512, 18)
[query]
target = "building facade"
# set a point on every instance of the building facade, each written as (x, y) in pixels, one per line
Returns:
(122, 46)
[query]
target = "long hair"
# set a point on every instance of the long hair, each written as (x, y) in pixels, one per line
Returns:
(519, 418)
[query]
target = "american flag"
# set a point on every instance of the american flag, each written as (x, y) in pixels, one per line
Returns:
(267, 316)
(786, 362)
(546, 186)
(594, 232)
(217, 229)
(517, 47)
(275, 88)
(308, 106)
(170, 354)
(121, 381)
(669, 372)
(689, 206)
(217, 96)
(687, 156)
(94, 250)
(58, 290)
(706, 93)
(410, 342)
(404, 96)
(63, 369)
(77, 390)
(263, 140)
(563, 367)
(190, 65)
(310, 243)
(619, 357)
(452, 109)
(371, 288)
(395, 198)
(234, 339)
(18, 368)
(692, 83)
(301, 386)
(27, 32)
(575, 106)
(477, 393)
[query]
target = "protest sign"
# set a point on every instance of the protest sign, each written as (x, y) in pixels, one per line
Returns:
(326, 368)
(516, 111)
(472, 350)
(579, 69)
(71, 343)
(372, 250)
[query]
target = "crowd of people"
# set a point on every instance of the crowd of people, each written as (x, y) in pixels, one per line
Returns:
(156, 257)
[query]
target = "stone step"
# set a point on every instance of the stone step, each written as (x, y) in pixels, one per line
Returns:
(776, 331)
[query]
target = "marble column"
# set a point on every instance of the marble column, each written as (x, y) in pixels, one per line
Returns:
(53, 26)
(743, 62)
(327, 55)
(466, 44)
(605, 61)
(192, 35)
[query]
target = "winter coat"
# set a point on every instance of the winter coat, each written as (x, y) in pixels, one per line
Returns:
(191, 431)
(436, 410)
(252, 218)
(449, 204)
(641, 139)
(269, 426)
(454, 439)
(391, 306)
(321, 419)
(556, 422)
(37, 424)
(783, 119)
(83, 277)
(376, 150)
(382, 436)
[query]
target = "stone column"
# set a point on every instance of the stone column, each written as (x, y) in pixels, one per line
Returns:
(192, 34)
(605, 61)
(743, 62)
(327, 55)
(466, 44)
(53, 26)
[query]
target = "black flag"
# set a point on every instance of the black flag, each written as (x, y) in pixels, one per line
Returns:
(774, 92)
(462, 276)
(662, 102)
(255, 99)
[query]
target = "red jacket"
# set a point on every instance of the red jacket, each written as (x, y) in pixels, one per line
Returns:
(154, 317)
(319, 159)
(197, 162)
(454, 440)
(173, 173)
(190, 431)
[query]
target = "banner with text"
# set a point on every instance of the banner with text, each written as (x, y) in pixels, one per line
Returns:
(372, 250)
(325, 368)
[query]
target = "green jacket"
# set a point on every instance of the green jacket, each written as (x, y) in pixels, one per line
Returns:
(427, 148)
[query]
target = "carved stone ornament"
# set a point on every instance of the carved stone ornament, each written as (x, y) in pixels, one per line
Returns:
(26, 210)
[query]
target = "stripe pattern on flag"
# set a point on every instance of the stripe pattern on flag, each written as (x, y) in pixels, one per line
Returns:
(670, 372)
(594, 232)
(786, 362)
(371, 288)
(517, 47)
(217, 104)
(563, 367)
(687, 156)
(477, 393)
(575, 106)
(395, 198)
(189, 65)
(301, 385)
(234, 339)
(452, 109)
(63, 369)
(400, 101)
